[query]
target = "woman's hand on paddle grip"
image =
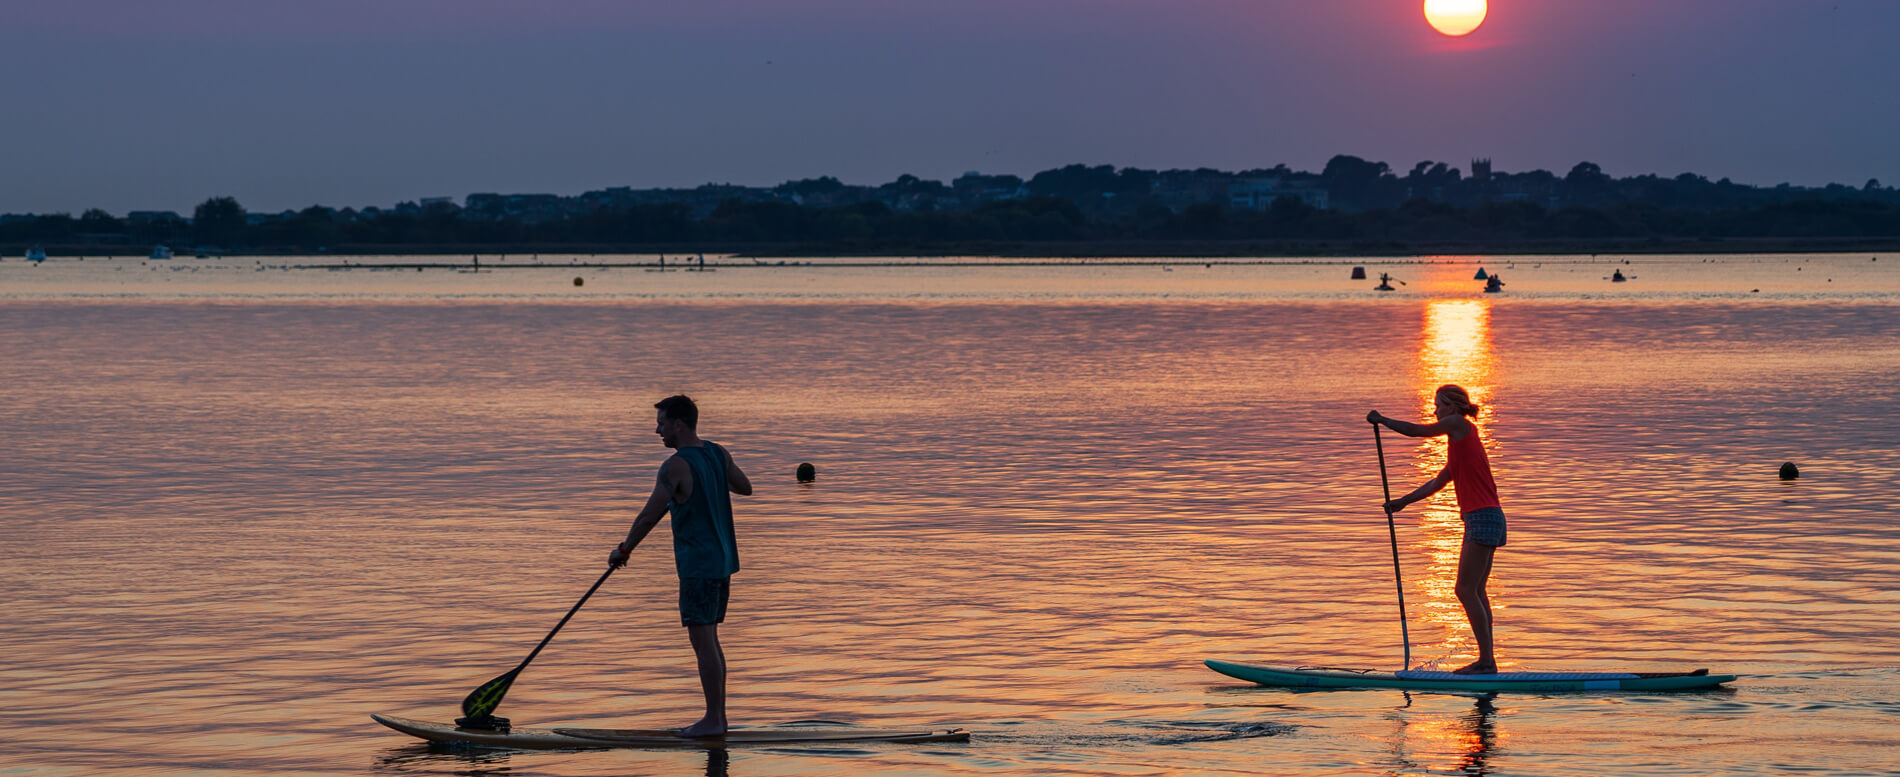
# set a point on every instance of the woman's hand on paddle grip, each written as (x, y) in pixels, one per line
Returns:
(1373, 417)
(1396, 505)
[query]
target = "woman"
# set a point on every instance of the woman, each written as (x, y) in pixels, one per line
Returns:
(1469, 471)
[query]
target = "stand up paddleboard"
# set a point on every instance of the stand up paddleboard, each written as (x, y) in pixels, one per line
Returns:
(585, 738)
(1502, 682)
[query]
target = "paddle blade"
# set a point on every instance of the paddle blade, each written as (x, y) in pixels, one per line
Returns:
(483, 701)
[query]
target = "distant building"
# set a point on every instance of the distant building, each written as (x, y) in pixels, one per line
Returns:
(256, 219)
(1481, 170)
(1260, 193)
(974, 188)
(1178, 189)
(153, 217)
(525, 208)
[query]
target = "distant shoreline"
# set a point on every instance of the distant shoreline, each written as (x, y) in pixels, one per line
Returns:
(1052, 250)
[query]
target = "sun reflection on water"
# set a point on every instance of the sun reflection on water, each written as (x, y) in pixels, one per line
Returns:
(1439, 743)
(1454, 347)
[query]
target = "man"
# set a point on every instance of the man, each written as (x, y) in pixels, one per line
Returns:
(694, 485)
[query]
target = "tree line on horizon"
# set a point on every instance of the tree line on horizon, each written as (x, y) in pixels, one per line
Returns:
(1368, 202)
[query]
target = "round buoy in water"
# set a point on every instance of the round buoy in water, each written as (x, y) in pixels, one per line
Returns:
(807, 473)
(1789, 471)
(578, 281)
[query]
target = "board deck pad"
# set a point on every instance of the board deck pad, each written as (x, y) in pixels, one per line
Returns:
(1542, 682)
(1428, 674)
(526, 738)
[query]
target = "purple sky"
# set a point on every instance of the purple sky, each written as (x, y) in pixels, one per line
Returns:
(134, 104)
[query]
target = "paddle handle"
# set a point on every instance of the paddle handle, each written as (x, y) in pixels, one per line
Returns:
(564, 619)
(1398, 578)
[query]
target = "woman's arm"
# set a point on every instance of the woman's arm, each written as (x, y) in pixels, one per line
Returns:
(1443, 427)
(1432, 486)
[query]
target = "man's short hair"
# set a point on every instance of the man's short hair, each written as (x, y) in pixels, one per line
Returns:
(680, 407)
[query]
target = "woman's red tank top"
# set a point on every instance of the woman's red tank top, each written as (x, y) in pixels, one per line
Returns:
(1471, 473)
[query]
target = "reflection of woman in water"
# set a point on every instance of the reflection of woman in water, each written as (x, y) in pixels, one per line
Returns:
(1468, 470)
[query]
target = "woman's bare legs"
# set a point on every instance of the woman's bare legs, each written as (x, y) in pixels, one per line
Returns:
(1474, 568)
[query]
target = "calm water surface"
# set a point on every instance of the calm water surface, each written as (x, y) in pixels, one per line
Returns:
(244, 509)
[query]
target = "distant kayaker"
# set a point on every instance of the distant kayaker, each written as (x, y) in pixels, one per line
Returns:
(1468, 469)
(695, 485)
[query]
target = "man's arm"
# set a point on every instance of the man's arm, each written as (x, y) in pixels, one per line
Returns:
(666, 488)
(736, 480)
(1431, 487)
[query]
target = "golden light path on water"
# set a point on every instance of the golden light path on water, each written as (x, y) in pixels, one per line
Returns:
(1454, 347)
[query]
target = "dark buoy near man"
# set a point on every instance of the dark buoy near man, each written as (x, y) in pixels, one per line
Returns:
(578, 281)
(807, 473)
(1789, 471)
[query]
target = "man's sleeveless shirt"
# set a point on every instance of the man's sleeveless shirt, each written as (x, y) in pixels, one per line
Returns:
(703, 542)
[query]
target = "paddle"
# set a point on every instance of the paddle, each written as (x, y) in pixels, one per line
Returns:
(480, 704)
(1404, 630)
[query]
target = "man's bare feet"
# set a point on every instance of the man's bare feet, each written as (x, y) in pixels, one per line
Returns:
(1479, 666)
(705, 728)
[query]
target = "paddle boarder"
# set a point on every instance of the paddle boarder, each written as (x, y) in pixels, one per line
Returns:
(1468, 470)
(695, 485)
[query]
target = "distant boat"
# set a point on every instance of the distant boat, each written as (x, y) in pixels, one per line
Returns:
(1385, 282)
(36, 254)
(1617, 277)
(161, 252)
(1494, 285)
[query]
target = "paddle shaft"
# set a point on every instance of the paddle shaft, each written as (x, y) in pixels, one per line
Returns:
(570, 614)
(1391, 526)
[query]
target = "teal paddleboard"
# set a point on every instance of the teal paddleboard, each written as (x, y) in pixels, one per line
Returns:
(1502, 682)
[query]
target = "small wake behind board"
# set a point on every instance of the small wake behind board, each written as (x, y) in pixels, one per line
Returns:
(1502, 682)
(586, 738)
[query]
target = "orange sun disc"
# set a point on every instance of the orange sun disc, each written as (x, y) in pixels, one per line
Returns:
(1455, 17)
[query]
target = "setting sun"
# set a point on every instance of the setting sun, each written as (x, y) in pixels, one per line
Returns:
(1455, 17)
